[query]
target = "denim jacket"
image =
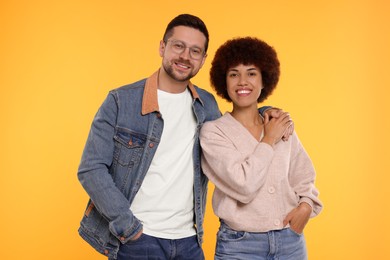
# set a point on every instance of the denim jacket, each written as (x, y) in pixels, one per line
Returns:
(123, 139)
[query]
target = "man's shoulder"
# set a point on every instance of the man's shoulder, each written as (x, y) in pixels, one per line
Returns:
(137, 85)
(203, 92)
(209, 104)
(207, 98)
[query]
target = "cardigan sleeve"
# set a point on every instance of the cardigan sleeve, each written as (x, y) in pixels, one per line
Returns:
(302, 177)
(238, 175)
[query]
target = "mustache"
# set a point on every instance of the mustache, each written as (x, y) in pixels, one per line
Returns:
(186, 62)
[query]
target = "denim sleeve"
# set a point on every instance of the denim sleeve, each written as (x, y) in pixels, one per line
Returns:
(263, 109)
(95, 178)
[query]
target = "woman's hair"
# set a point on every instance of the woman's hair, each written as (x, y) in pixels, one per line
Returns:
(246, 51)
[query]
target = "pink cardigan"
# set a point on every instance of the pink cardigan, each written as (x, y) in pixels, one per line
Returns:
(256, 185)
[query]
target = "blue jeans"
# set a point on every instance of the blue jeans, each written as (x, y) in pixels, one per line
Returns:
(153, 248)
(282, 244)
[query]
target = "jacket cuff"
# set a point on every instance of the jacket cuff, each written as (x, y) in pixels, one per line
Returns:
(128, 233)
(263, 109)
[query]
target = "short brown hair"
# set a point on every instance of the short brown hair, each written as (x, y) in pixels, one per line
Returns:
(187, 20)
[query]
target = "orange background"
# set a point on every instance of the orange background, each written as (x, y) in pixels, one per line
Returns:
(58, 60)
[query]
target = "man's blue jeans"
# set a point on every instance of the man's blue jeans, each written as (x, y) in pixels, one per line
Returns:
(148, 248)
(282, 244)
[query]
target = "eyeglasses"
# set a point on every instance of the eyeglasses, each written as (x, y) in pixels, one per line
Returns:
(179, 47)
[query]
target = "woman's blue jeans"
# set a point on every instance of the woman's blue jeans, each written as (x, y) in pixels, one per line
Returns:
(282, 244)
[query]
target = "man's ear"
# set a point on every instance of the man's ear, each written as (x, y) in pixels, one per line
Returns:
(203, 60)
(161, 49)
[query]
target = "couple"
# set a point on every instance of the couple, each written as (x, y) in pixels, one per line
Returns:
(154, 144)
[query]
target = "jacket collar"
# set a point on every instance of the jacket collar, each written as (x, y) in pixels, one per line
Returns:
(150, 99)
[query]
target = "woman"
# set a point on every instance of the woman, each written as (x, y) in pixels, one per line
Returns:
(264, 187)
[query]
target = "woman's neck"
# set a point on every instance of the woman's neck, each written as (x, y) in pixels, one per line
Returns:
(251, 120)
(248, 117)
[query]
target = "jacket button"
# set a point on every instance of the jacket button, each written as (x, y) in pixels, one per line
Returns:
(151, 145)
(106, 252)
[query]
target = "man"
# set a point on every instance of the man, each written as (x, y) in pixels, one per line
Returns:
(141, 162)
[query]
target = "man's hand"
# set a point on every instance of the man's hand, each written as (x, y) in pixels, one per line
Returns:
(276, 113)
(298, 217)
(137, 236)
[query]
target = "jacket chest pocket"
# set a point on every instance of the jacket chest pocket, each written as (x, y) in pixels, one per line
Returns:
(129, 147)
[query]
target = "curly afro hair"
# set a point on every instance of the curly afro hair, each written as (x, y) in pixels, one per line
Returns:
(246, 51)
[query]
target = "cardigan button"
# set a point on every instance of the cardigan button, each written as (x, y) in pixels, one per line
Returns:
(151, 145)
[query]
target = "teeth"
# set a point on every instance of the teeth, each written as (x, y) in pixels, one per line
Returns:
(182, 66)
(243, 91)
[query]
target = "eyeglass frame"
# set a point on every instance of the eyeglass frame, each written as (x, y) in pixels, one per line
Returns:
(175, 50)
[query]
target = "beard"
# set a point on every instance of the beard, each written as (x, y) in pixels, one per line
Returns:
(177, 75)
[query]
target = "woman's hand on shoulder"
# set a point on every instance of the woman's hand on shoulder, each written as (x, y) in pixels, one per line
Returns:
(275, 129)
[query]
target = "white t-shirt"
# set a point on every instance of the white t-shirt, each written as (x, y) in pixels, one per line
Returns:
(164, 203)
